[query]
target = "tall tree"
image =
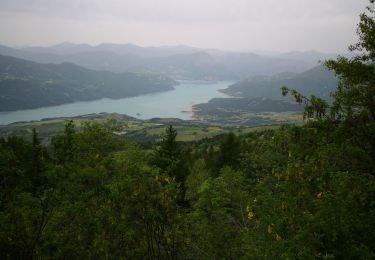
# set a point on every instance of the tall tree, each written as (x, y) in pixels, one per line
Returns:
(64, 145)
(168, 154)
(229, 154)
(355, 95)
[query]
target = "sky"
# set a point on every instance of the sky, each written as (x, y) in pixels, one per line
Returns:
(238, 25)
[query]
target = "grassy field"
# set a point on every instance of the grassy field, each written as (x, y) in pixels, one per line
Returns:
(249, 119)
(133, 129)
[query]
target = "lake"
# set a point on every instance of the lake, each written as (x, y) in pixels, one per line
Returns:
(176, 103)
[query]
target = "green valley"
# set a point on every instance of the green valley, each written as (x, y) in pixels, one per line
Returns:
(138, 131)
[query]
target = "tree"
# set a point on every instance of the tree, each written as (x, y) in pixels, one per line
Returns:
(37, 161)
(168, 145)
(64, 145)
(218, 216)
(229, 153)
(354, 99)
(168, 155)
(355, 95)
(353, 107)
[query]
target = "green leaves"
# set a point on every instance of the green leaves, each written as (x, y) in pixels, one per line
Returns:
(354, 97)
(315, 107)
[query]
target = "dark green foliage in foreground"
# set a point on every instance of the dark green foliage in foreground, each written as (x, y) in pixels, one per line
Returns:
(292, 193)
(296, 192)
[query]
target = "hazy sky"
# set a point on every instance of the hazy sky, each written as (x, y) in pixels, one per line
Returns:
(277, 25)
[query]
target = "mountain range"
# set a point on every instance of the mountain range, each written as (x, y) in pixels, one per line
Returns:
(178, 62)
(317, 81)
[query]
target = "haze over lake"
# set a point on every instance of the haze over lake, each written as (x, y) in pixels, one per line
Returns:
(176, 103)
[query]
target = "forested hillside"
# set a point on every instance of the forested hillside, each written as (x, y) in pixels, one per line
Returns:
(25, 84)
(296, 192)
(316, 81)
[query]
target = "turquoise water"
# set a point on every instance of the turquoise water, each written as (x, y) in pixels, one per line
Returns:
(176, 103)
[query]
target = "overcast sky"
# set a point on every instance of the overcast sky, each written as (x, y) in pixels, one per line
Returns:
(242, 25)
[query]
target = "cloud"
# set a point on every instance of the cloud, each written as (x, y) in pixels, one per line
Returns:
(232, 24)
(178, 11)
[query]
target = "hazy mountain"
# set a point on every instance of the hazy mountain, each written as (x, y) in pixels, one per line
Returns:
(179, 62)
(198, 65)
(25, 84)
(30, 55)
(308, 56)
(318, 81)
(250, 64)
(109, 57)
(67, 48)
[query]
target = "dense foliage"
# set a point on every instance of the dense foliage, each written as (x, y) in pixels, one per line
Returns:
(298, 192)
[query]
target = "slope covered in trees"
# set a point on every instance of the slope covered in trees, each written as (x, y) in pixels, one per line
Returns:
(25, 84)
(298, 192)
(318, 81)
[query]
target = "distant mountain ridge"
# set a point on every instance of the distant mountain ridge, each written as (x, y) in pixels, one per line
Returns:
(26, 84)
(316, 81)
(178, 62)
(67, 48)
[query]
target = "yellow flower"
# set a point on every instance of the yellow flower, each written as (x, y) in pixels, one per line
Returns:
(319, 195)
(255, 200)
(269, 228)
(250, 215)
(277, 237)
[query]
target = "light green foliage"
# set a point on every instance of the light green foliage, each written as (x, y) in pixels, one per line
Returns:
(218, 216)
(198, 175)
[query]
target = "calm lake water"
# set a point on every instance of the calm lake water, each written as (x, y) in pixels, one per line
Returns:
(176, 103)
